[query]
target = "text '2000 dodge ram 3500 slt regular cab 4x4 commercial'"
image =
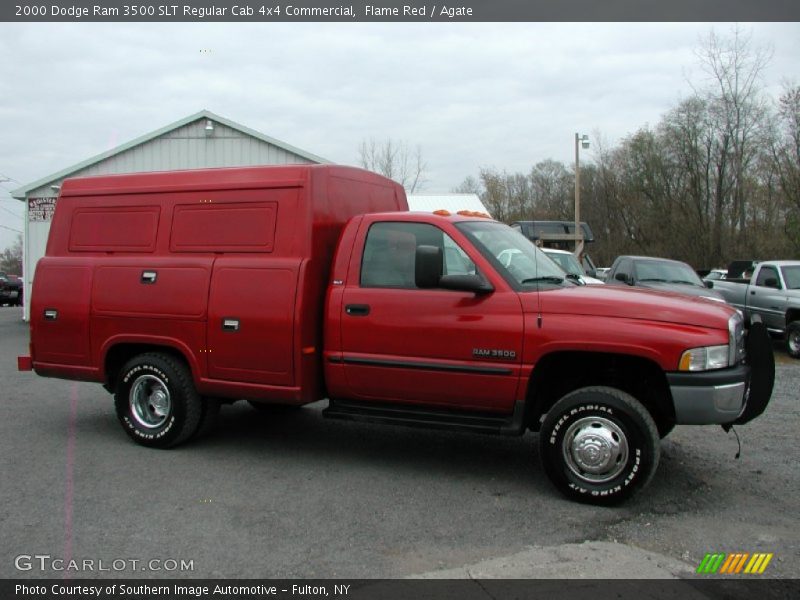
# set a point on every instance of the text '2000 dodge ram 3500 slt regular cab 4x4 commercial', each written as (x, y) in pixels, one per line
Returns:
(293, 284)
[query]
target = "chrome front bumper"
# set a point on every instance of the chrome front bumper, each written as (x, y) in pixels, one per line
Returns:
(709, 397)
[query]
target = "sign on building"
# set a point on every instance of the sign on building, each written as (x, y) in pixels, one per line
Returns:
(41, 209)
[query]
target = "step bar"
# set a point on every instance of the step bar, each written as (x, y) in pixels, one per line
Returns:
(413, 416)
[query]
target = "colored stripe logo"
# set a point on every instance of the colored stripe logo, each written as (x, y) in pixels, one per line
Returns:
(735, 563)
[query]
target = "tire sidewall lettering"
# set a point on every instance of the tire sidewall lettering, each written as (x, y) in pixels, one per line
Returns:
(632, 471)
(144, 434)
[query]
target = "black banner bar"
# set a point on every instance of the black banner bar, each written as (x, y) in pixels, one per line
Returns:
(700, 588)
(393, 11)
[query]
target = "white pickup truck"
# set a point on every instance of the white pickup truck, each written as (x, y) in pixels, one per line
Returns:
(772, 295)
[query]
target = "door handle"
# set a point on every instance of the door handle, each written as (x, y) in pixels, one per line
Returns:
(149, 276)
(50, 314)
(357, 310)
(230, 324)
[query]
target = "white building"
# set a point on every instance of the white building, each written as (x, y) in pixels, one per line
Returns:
(197, 141)
(450, 202)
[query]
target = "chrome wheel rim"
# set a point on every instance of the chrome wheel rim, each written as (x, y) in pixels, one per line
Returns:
(794, 342)
(595, 449)
(150, 401)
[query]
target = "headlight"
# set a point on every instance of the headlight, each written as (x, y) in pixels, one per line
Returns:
(717, 357)
(736, 339)
(704, 359)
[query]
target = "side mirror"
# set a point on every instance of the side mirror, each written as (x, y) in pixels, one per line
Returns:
(772, 282)
(466, 283)
(428, 266)
(623, 277)
(709, 284)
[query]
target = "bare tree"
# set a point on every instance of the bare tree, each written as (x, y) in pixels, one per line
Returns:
(11, 258)
(394, 160)
(738, 113)
(785, 159)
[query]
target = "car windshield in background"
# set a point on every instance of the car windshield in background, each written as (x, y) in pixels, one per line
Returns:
(512, 254)
(568, 262)
(714, 275)
(791, 275)
(666, 272)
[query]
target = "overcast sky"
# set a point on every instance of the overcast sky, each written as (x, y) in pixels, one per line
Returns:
(471, 95)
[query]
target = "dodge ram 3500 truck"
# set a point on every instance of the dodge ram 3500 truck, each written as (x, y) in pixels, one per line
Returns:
(294, 284)
(772, 295)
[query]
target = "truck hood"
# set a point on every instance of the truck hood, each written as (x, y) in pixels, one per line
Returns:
(631, 303)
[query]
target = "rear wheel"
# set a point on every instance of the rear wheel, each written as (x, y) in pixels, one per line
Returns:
(156, 401)
(793, 339)
(599, 445)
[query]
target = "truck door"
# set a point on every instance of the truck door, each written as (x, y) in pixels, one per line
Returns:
(767, 299)
(401, 344)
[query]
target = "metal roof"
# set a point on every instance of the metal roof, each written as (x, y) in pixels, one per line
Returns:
(20, 193)
(451, 202)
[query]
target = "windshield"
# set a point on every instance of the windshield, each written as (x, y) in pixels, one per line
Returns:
(513, 255)
(568, 262)
(791, 275)
(666, 272)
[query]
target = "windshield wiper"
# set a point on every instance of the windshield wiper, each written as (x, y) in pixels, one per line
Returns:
(682, 281)
(655, 279)
(546, 279)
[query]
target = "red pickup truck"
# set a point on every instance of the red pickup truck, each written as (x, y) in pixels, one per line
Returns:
(293, 284)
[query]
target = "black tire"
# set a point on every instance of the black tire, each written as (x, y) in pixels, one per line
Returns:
(620, 439)
(664, 429)
(156, 401)
(793, 339)
(208, 417)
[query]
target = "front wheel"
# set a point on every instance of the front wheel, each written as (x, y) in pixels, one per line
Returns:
(156, 401)
(793, 339)
(599, 445)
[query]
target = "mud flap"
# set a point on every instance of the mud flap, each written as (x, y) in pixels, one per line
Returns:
(761, 359)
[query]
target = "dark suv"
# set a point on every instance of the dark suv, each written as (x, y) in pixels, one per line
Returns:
(10, 290)
(659, 274)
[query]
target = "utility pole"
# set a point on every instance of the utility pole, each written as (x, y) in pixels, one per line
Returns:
(581, 141)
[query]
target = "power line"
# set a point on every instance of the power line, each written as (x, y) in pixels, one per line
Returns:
(7, 178)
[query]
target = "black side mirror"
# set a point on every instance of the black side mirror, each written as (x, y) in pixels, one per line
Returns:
(428, 266)
(709, 284)
(623, 277)
(466, 283)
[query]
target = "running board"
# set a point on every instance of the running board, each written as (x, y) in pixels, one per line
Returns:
(411, 416)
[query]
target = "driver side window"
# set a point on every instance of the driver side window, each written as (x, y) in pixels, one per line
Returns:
(389, 258)
(765, 274)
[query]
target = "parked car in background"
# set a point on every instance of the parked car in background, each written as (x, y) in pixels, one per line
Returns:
(602, 273)
(659, 274)
(10, 290)
(772, 295)
(715, 275)
(568, 261)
